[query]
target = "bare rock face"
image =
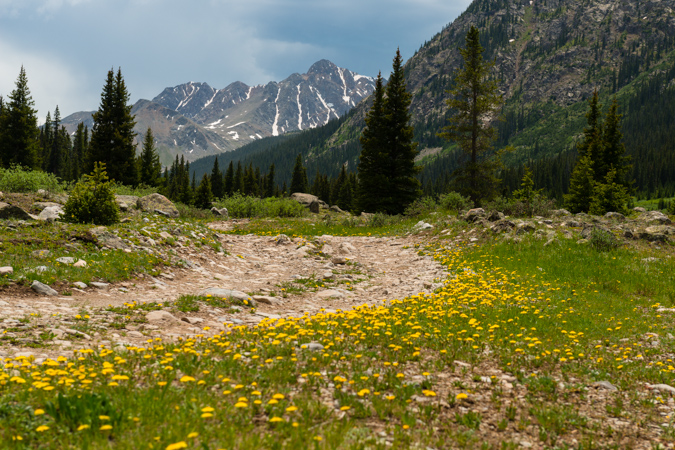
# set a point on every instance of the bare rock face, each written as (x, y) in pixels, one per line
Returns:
(157, 203)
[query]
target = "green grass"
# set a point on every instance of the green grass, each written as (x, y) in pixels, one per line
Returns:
(554, 318)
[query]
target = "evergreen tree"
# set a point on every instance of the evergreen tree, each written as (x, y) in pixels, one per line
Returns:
(582, 185)
(150, 169)
(374, 194)
(610, 195)
(405, 187)
(476, 101)
(203, 195)
(19, 144)
(112, 137)
(614, 152)
(229, 180)
(59, 147)
(270, 183)
(299, 181)
(217, 185)
(45, 142)
(592, 144)
(80, 144)
(239, 180)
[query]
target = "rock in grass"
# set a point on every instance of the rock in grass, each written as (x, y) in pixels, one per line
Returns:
(313, 346)
(8, 211)
(157, 202)
(43, 289)
(80, 285)
(229, 293)
(98, 285)
(662, 388)
(160, 316)
(51, 213)
(264, 299)
(605, 385)
(66, 260)
(6, 270)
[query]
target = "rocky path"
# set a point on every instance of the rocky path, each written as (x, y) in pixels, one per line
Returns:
(283, 277)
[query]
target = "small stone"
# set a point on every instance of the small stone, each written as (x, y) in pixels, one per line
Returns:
(98, 285)
(66, 260)
(228, 293)
(40, 254)
(338, 260)
(330, 293)
(43, 289)
(136, 334)
(264, 299)
(313, 346)
(80, 263)
(6, 270)
(282, 239)
(192, 320)
(421, 226)
(461, 363)
(662, 388)
(159, 316)
(605, 385)
(80, 285)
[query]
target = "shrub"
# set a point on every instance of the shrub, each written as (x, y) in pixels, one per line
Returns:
(240, 206)
(603, 240)
(454, 201)
(92, 200)
(17, 179)
(422, 205)
(538, 206)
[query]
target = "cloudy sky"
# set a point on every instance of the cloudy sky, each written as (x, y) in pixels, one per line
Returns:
(67, 46)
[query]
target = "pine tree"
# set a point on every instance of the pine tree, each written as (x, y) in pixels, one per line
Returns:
(20, 134)
(299, 181)
(476, 102)
(229, 180)
(270, 183)
(80, 144)
(112, 137)
(239, 180)
(592, 144)
(203, 194)
(150, 169)
(614, 152)
(610, 195)
(374, 185)
(59, 147)
(217, 185)
(405, 187)
(582, 185)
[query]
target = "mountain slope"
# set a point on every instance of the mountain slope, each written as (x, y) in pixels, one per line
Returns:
(195, 120)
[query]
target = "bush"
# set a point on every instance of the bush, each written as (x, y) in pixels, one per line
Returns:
(603, 240)
(539, 206)
(92, 200)
(423, 205)
(16, 179)
(240, 206)
(454, 201)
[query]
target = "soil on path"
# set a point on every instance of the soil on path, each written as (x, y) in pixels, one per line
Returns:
(286, 278)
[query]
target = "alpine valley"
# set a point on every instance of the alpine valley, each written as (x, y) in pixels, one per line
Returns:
(195, 120)
(550, 56)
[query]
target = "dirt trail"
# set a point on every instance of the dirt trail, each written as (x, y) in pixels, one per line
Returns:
(326, 273)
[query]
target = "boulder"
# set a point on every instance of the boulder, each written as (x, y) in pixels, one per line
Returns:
(315, 207)
(560, 213)
(495, 216)
(160, 316)
(7, 270)
(104, 238)
(422, 225)
(159, 204)
(654, 218)
(123, 201)
(40, 206)
(222, 212)
(657, 233)
(336, 209)
(502, 226)
(282, 239)
(639, 209)
(474, 215)
(51, 213)
(615, 216)
(43, 289)
(307, 199)
(228, 293)
(8, 211)
(525, 227)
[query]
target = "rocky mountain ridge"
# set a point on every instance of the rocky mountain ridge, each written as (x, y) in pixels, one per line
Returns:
(196, 120)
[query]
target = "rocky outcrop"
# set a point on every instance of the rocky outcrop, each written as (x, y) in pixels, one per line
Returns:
(306, 200)
(159, 204)
(8, 211)
(104, 238)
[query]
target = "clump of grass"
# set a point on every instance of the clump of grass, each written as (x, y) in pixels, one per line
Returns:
(603, 240)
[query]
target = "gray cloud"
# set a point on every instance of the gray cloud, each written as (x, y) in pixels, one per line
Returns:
(68, 45)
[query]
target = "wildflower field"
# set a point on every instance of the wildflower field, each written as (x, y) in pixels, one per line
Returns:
(523, 346)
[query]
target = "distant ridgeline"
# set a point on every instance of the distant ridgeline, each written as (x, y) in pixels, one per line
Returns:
(550, 55)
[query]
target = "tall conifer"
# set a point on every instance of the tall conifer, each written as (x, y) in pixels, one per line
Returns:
(20, 131)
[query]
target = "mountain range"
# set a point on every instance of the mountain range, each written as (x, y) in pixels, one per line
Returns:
(549, 57)
(196, 120)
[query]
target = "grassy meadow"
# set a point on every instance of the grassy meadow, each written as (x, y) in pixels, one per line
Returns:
(503, 356)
